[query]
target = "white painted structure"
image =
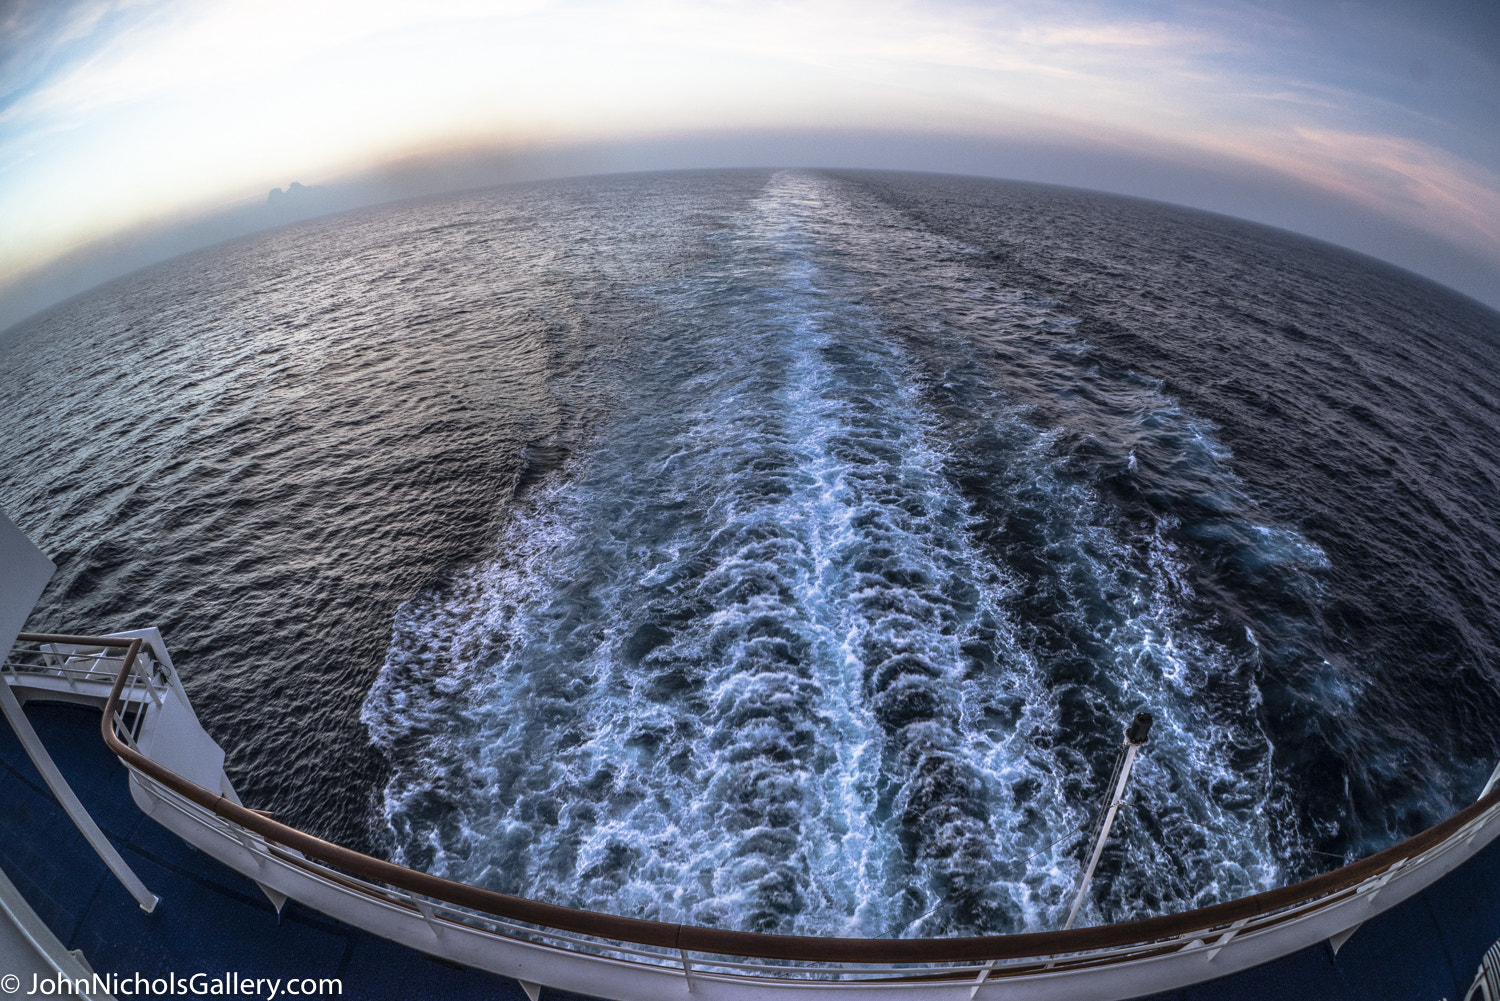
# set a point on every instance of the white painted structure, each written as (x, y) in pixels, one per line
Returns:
(162, 726)
(28, 948)
(177, 778)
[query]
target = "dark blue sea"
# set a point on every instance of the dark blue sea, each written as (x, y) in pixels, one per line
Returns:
(787, 550)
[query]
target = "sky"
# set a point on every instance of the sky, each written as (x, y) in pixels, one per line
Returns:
(132, 130)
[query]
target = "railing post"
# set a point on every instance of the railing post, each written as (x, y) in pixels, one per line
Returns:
(1135, 738)
(140, 669)
(984, 974)
(1494, 780)
(428, 914)
(10, 707)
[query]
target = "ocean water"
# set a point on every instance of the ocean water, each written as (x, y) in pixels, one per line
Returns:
(786, 550)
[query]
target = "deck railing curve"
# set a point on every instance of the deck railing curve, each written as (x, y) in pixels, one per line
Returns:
(1057, 948)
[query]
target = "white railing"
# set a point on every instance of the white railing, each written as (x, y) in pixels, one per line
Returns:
(617, 957)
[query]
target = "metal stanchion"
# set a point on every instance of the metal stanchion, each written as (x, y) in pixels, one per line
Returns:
(1135, 739)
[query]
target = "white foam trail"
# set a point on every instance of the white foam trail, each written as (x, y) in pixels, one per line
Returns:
(744, 663)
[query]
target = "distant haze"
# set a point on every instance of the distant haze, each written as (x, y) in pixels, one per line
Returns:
(133, 131)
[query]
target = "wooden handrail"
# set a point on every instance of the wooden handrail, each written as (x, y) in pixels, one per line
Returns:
(723, 942)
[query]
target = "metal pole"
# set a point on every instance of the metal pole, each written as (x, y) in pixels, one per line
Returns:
(1135, 739)
(1494, 780)
(10, 707)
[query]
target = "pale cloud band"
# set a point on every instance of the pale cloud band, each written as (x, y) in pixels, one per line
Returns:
(142, 111)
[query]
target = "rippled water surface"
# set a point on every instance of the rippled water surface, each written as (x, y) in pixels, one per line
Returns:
(786, 550)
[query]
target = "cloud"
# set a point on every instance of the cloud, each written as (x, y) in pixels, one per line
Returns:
(1405, 179)
(124, 112)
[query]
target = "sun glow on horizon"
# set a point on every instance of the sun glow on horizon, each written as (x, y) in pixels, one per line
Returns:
(160, 110)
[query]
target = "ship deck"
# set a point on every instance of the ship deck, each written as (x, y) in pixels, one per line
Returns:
(211, 920)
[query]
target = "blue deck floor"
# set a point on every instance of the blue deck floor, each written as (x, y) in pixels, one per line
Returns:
(210, 919)
(213, 921)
